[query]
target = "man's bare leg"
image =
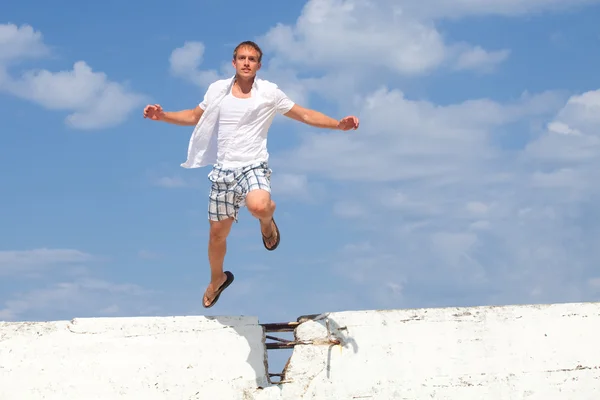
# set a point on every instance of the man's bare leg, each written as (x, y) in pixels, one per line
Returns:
(217, 247)
(262, 207)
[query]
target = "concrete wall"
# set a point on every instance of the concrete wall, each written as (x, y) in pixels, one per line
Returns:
(131, 358)
(547, 352)
(544, 352)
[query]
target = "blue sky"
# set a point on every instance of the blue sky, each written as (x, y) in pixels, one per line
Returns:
(471, 180)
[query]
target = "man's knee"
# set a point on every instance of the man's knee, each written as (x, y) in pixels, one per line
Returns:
(219, 230)
(260, 208)
(259, 203)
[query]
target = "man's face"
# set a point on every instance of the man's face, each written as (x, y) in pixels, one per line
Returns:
(246, 62)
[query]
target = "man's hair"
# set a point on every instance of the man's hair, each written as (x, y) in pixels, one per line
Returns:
(248, 43)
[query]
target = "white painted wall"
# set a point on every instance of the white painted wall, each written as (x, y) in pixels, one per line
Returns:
(131, 358)
(545, 352)
(528, 352)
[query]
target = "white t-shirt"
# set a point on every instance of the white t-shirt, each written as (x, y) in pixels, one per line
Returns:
(243, 144)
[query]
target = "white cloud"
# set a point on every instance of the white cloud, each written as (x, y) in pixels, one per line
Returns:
(477, 58)
(381, 41)
(451, 214)
(81, 297)
(185, 62)
(402, 139)
(561, 178)
(65, 286)
(359, 34)
(36, 261)
(349, 209)
(94, 102)
(581, 113)
(560, 127)
(477, 208)
(437, 9)
(20, 43)
(361, 40)
(290, 185)
(573, 136)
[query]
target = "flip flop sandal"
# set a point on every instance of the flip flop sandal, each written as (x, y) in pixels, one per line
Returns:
(224, 286)
(264, 238)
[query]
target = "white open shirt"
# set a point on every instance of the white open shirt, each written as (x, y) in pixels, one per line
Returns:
(269, 100)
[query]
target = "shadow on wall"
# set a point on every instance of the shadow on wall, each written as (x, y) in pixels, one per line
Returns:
(341, 334)
(254, 336)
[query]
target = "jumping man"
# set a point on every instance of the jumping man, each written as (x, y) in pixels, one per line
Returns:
(231, 126)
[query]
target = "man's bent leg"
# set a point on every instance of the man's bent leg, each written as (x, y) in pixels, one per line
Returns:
(217, 247)
(262, 207)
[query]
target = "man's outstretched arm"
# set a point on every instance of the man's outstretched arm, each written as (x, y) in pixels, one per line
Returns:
(183, 117)
(320, 120)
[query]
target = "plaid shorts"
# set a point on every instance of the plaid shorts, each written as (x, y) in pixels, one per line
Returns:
(230, 187)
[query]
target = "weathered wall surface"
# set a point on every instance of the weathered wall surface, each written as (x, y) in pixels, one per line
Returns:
(541, 352)
(131, 358)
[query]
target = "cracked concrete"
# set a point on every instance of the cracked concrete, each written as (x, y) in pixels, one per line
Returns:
(534, 352)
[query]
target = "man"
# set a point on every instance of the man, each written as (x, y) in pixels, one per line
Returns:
(232, 123)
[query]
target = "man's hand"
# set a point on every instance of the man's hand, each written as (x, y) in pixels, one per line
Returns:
(154, 112)
(345, 124)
